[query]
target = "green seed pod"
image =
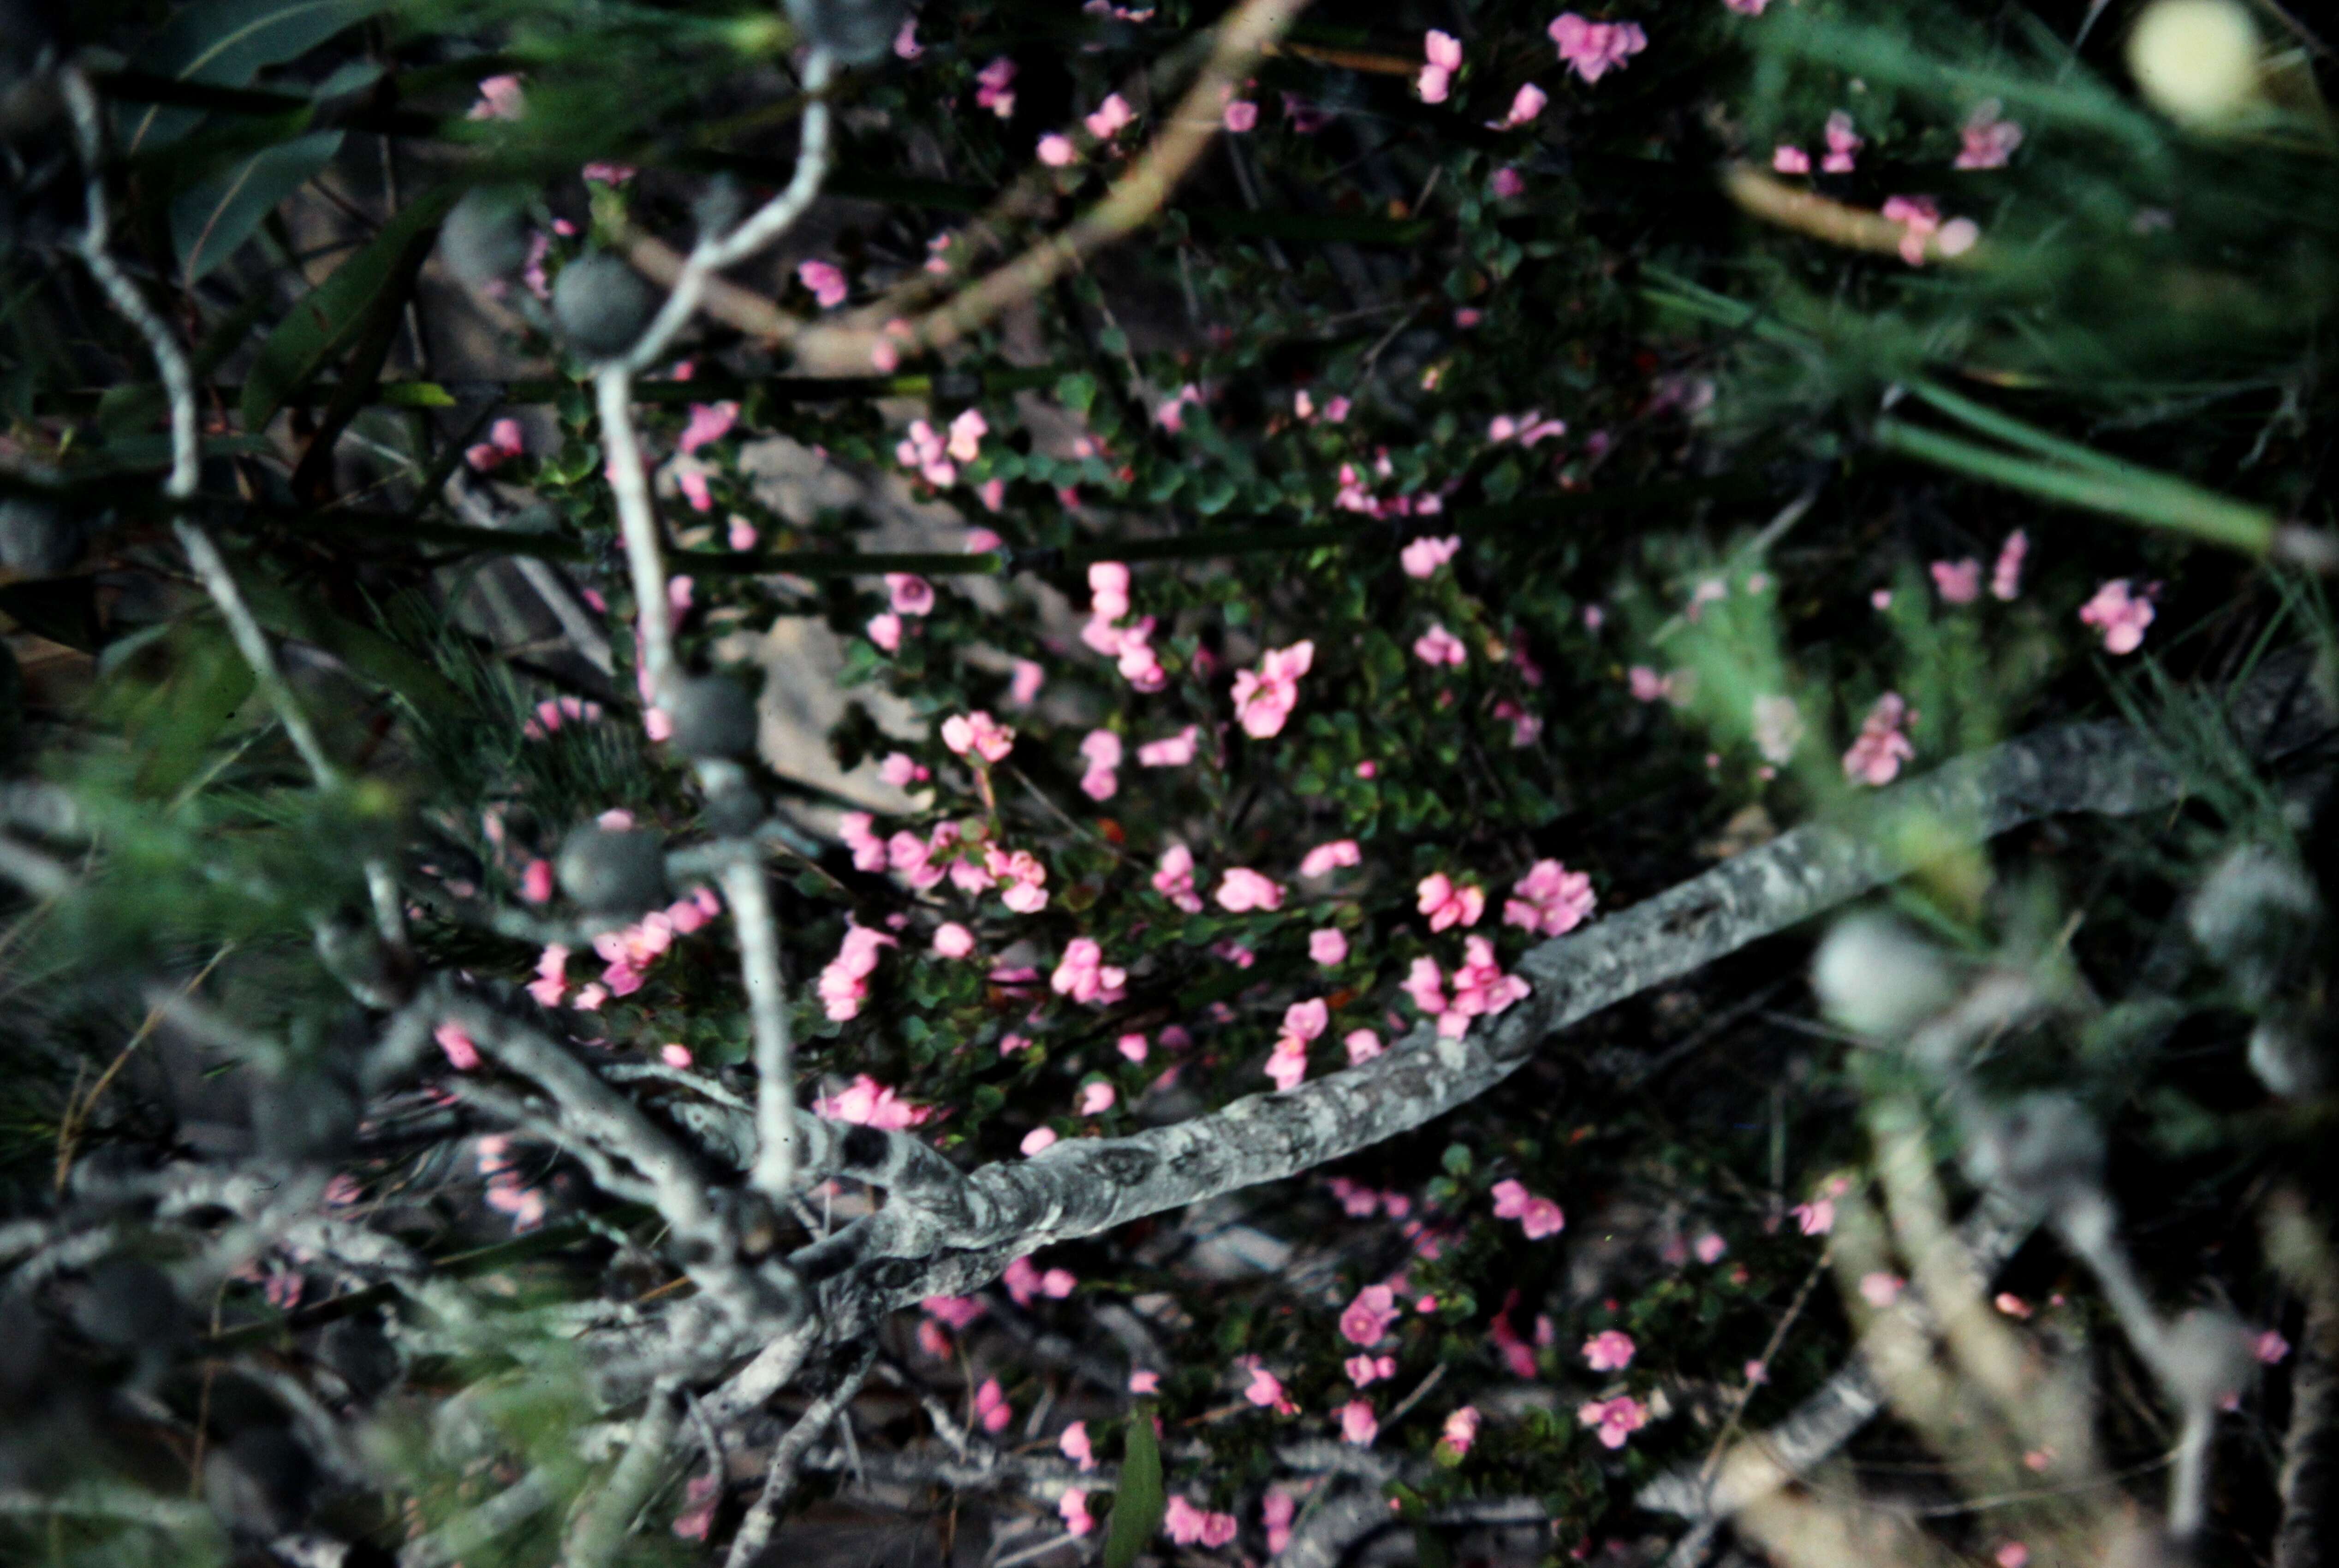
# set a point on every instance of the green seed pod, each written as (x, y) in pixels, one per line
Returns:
(484, 240)
(854, 31)
(713, 716)
(602, 305)
(613, 870)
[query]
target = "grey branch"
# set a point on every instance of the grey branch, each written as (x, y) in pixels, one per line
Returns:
(787, 1455)
(2310, 1461)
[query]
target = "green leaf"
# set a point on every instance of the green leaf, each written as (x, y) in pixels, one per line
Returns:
(1076, 390)
(327, 319)
(227, 42)
(1138, 1506)
(209, 221)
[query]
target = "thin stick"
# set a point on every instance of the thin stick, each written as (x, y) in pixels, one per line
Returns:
(768, 1009)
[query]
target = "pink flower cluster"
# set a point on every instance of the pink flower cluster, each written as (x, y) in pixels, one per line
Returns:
(1174, 880)
(1595, 48)
(1170, 752)
(1360, 1202)
(925, 451)
(979, 735)
(1921, 228)
(1528, 428)
(991, 91)
(1026, 1283)
(866, 1102)
(1265, 1389)
(1439, 646)
(1525, 105)
(1354, 495)
(1875, 757)
(1610, 1350)
(1446, 904)
(1538, 1216)
(1461, 1431)
(1130, 646)
(1327, 858)
(624, 953)
(1443, 52)
(1615, 1420)
(1083, 975)
(553, 711)
(1359, 1425)
(1480, 988)
(843, 984)
(991, 1406)
(1111, 117)
(1187, 1526)
(1265, 698)
(505, 1192)
(1102, 750)
(1990, 141)
(1304, 1022)
(1242, 890)
(2120, 614)
(504, 443)
(826, 282)
(1422, 557)
(1366, 1320)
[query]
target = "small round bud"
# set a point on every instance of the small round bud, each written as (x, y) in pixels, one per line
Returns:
(483, 239)
(37, 537)
(1877, 977)
(602, 305)
(713, 716)
(2195, 61)
(613, 870)
(854, 31)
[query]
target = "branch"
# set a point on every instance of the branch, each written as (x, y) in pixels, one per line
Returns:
(1081, 1187)
(756, 1530)
(2310, 1461)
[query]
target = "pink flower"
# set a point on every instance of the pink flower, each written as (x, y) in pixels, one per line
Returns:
(980, 734)
(1507, 183)
(1510, 1199)
(1143, 1382)
(1327, 858)
(1265, 1389)
(1444, 53)
(742, 535)
(1788, 159)
(1709, 1247)
(1747, 7)
(2006, 577)
(1920, 220)
(991, 1406)
(1646, 684)
(966, 433)
(1364, 1371)
(1880, 1289)
(1876, 756)
(1074, 1441)
(1594, 48)
(1174, 880)
(1958, 582)
(1525, 105)
(1366, 1319)
(1440, 647)
(1461, 1430)
(535, 882)
(1305, 1020)
(1422, 557)
(1187, 1526)
(911, 593)
(504, 443)
(901, 771)
(869, 852)
(1276, 1512)
(1026, 1284)
(1426, 986)
(2013, 1554)
(1480, 989)
(1363, 1045)
(1264, 698)
(1543, 1218)
(1241, 115)
(1242, 889)
(1990, 141)
(1816, 1217)
(953, 940)
(991, 91)
(1357, 1423)
(1103, 749)
(1615, 1420)
(1084, 976)
(709, 423)
(885, 629)
(2270, 1347)
(1841, 146)
(499, 99)
(675, 1054)
(868, 1103)
(1073, 1505)
(826, 282)
(1037, 1140)
(1056, 150)
(461, 1053)
(1174, 752)
(1610, 1350)
(1096, 1098)
(1025, 880)
(843, 984)
(1112, 115)
(1446, 904)
(2119, 615)
(1326, 946)
(703, 1493)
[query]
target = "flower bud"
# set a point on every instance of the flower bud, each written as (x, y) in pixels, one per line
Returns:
(613, 870)
(602, 305)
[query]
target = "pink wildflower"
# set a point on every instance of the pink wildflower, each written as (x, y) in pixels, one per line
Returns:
(1364, 1371)
(1102, 749)
(1594, 48)
(1440, 647)
(1443, 55)
(2119, 615)
(1362, 1045)
(1422, 557)
(1709, 1247)
(1264, 698)
(1426, 986)
(1789, 159)
(1841, 146)
(499, 99)
(911, 593)
(1241, 115)
(709, 423)
(1143, 1382)
(1174, 879)
(1958, 582)
(2270, 1347)
(1056, 150)
(900, 770)
(966, 433)
(1525, 105)
(1506, 184)
(1358, 1426)
(1447, 904)
(1480, 989)
(1816, 1217)
(1880, 1289)
(1096, 1098)
(1083, 975)
(1265, 1389)
(1037, 1140)
(504, 443)
(1543, 1218)
(1875, 757)
(1366, 1319)
(1990, 141)
(1328, 946)
(462, 1055)
(1461, 1430)
(992, 90)
(2006, 577)
(1173, 752)
(1615, 1420)
(1112, 115)
(1074, 1441)
(1610, 1350)
(1276, 1512)
(885, 629)
(843, 984)
(953, 940)
(991, 1406)
(866, 1102)
(1327, 858)
(1073, 1505)
(980, 734)
(826, 282)
(1242, 889)
(675, 1054)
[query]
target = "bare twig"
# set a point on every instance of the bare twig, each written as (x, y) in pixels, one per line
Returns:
(780, 1480)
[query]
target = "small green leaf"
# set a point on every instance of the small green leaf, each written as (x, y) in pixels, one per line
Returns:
(225, 43)
(1076, 389)
(1138, 1506)
(328, 318)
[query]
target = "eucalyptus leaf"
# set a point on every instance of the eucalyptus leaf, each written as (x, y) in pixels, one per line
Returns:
(210, 222)
(225, 43)
(1138, 1506)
